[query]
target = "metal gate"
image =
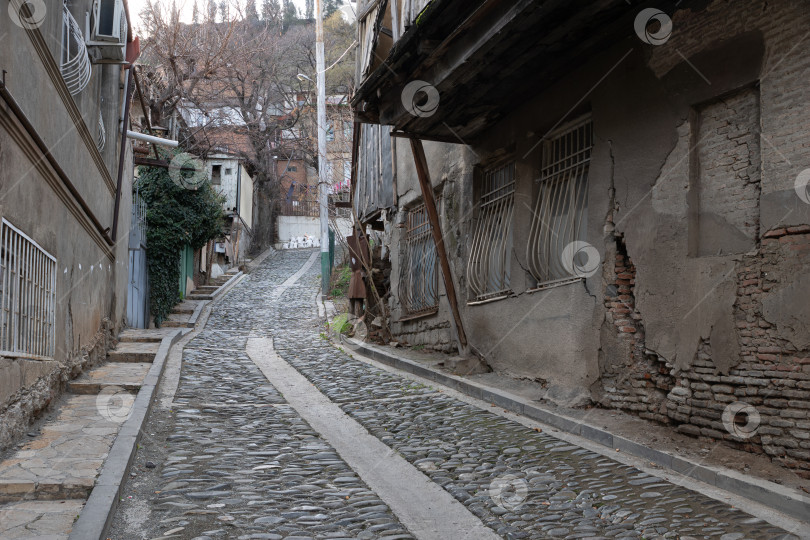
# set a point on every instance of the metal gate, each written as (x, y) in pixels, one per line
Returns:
(138, 286)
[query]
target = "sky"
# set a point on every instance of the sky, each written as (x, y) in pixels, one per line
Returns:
(135, 7)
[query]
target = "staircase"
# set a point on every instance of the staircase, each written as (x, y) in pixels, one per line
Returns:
(206, 292)
(46, 481)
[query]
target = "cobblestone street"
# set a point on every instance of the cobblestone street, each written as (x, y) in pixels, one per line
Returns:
(234, 458)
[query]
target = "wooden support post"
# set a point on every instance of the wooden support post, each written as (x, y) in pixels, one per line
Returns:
(430, 205)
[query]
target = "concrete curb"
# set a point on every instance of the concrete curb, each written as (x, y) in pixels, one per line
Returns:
(227, 285)
(770, 494)
(196, 315)
(103, 501)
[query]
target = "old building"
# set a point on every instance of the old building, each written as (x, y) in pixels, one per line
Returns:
(65, 196)
(621, 196)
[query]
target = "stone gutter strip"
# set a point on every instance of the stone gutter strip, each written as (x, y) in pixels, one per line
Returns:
(780, 498)
(258, 260)
(103, 501)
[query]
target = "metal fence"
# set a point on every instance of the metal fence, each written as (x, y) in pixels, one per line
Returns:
(560, 210)
(418, 272)
(27, 295)
(488, 270)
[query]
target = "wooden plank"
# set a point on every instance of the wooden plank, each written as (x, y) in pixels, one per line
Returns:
(430, 205)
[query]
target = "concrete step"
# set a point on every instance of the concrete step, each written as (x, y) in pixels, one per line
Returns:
(143, 335)
(134, 352)
(125, 375)
(194, 296)
(64, 459)
(205, 289)
(169, 323)
(39, 519)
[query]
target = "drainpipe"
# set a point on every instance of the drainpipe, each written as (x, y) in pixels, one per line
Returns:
(123, 151)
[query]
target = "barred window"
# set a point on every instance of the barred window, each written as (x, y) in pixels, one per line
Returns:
(488, 270)
(559, 218)
(27, 295)
(418, 269)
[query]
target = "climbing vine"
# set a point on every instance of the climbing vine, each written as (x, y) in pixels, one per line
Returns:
(177, 213)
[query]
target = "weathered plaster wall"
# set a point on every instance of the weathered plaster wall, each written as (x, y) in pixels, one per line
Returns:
(701, 300)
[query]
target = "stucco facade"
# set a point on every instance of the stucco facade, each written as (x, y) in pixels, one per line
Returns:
(64, 202)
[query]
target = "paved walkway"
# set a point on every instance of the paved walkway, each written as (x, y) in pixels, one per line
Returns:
(275, 433)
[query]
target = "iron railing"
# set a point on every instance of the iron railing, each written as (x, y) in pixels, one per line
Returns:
(418, 271)
(559, 217)
(27, 295)
(489, 269)
(75, 66)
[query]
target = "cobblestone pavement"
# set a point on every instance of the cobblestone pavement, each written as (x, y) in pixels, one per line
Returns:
(234, 460)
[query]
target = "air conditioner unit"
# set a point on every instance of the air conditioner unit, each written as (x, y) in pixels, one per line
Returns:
(106, 31)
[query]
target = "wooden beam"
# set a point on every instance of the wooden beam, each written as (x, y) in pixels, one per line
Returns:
(430, 205)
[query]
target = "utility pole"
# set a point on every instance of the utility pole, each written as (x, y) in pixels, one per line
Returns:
(323, 181)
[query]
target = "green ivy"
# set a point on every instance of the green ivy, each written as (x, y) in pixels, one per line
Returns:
(175, 216)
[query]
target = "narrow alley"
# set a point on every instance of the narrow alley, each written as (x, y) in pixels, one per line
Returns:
(246, 448)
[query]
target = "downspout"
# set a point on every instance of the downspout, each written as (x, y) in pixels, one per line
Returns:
(123, 151)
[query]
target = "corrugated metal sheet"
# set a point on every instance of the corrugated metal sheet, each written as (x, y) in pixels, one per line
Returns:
(375, 182)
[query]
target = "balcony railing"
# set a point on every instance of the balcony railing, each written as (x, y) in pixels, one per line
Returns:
(75, 65)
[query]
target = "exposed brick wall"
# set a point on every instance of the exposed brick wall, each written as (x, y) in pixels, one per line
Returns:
(640, 385)
(772, 377)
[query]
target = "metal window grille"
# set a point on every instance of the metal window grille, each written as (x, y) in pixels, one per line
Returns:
(418, 272)
(488, 270)
(101, 139)
(559, 217)
(27, 295)
(75, 67)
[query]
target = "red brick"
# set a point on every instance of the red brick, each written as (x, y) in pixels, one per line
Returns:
(774, 233)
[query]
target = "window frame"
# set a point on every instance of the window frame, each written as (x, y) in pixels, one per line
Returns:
(415, 295)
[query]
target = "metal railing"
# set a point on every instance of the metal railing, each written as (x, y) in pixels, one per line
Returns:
(559, 217)
(27, 295)
(304, 207)
(489, 269)
(75, 66)
(418, 271)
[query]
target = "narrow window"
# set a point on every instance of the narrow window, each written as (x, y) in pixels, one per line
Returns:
(488, 270)
(27, 295)
(216, 175)
(559, 215)
(418, 272)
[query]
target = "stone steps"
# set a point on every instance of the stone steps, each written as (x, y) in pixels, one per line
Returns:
(124, 375)
(134, 352)
(63, 460)
(39, 519)
(139, 335)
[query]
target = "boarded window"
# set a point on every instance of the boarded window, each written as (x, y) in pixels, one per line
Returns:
(27, 295)
(488, 270)
(725, 175)
(418, 270)
(560, 210)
